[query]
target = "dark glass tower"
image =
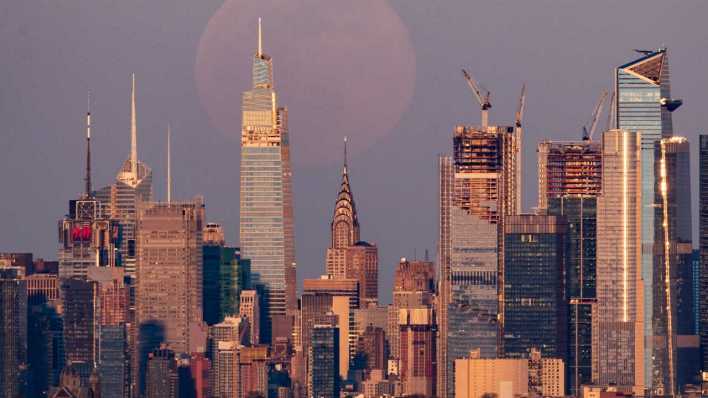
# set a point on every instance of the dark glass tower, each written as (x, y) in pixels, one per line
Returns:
(703, 247)
(569, 181)
(13, 332)
(324, 362)
(534, 299)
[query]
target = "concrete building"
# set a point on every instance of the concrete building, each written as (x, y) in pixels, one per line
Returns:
(418, 361)
(266, 208)
(249, 308)
(169, 296)
(477, 377)
(618, 332)
(413, 287)
(161, 378)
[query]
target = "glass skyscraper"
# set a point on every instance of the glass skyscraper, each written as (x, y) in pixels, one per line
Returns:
(266, 225)
(644, 105)
(703, 247)
(534, 299)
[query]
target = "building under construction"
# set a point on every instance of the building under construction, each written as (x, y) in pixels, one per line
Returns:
(568, 169)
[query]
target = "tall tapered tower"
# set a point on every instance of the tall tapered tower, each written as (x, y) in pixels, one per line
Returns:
(120, 200)
(266, 226)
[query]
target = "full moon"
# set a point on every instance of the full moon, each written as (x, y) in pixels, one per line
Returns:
(342, 68)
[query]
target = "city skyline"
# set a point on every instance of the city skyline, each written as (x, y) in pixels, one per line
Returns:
(420, 136)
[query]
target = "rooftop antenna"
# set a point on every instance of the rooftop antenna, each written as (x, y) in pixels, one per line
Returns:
(169, 166)
(345, 153)
(88, 145)
(260, 39)
(133, 132)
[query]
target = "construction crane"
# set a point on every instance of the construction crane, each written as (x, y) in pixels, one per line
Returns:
(587, 133)
(482, 97)
(522, 106)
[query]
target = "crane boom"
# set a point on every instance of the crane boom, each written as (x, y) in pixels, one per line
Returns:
(588, 132)
(482, 98)
(596, 113)
(522, 106)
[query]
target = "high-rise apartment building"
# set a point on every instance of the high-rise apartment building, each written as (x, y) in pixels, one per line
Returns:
(644, 105)
(570, 179)
(120, 201)
(266, 223)
(479, 186)
(13, 332)
(703, 248)
(618, 318)
(169, 283)
(534, 297)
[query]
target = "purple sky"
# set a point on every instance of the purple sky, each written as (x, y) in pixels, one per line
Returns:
(54, 51)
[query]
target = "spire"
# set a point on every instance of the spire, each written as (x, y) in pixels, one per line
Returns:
(169, 166)
(345, 154)
(345, 223)
(133, 132)
(260, 39)
(88, 146)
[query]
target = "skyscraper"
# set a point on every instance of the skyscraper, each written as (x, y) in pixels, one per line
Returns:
(617, 320)
(13, 332)
(478, 188)
(413, 287)
(534, 297)
(323, 376)
(169, 296)
(674, 247)
(418, 364)
(266, 223)
(348, 257)
(703, 246)
(80, 300)
(570, 179)
(225, 275)
(644, 105)
(120, 200)
(87, 237)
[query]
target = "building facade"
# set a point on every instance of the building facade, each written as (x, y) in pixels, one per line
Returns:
(618, 318)
(418, 361)
(703, 248)
(169, 296)
(534, 296)
(644, 105)
(13, 332)
(479, 186)
(323, 376)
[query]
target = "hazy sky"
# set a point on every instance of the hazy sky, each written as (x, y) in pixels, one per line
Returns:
(386, 74)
